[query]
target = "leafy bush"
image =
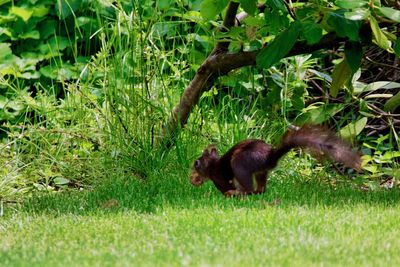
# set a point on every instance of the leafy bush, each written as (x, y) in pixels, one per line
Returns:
(349, 95)
(43, 45)
(85, 86)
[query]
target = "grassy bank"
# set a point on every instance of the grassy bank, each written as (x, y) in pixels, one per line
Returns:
(170, 223)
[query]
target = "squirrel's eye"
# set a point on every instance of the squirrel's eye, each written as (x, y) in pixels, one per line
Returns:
(197, 164)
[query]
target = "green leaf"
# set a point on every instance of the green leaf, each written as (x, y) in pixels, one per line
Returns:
(64, 8)
(377, 3)
(273, 96)
(164, 4)
(390, 13)
(358, 14)
(321, 75)
(254, 21)
(380, 38)
(30, 35)
(15, 107)
(61, 181)
(371, 168)
(344, 27)
(21, 12)
(49, 71)
(311, 32)
(83, 20)
(58, 43)
(6, 31)
(66, 72)
(351, 130)
(392, 103)
(340, 76)
(211, 8)
(47, 28)
(396, 47)
(165, 28)
(30, 75)
(298, 97)
(3, 101)
(354, 54)
(277, 4)
(276, 21)
(318, 114)
(279, 47)
(377, 85)
(193, 16)
(351, 4)
(250, 6)
(394, 172)
(390, 155)
(40, 11)
(5, 52)
(378, 96)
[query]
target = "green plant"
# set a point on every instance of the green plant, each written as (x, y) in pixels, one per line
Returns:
(305, 94)
(93, 92)
(44, 45)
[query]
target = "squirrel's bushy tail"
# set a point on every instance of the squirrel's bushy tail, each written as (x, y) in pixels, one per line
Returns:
(321, 142)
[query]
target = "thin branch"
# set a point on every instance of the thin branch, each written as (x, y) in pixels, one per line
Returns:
(290, 10)
(223, 63)
(381, 112)
(220, 62)
(381, 64)
(229, 22)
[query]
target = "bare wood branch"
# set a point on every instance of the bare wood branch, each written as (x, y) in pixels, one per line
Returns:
(290, 10)
(229, 22)
(220, 62)
(202, 80)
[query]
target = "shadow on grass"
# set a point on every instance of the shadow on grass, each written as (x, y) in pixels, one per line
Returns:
(157, 194)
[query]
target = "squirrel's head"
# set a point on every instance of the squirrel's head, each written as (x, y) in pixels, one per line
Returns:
(202, 166)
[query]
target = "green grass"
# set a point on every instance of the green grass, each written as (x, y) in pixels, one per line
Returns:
(170, 223)
(112, 116)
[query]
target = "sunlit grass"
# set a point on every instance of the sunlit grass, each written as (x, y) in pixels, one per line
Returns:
(136, 206)
(167, 222)
(355, 235)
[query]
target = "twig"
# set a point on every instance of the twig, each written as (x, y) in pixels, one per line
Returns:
(381, 112)
(338, 170)
(381, 64)
(290, 10)
(318, 87)
(229, 22)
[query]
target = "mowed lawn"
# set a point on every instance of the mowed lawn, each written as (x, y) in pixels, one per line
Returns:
(173, 224)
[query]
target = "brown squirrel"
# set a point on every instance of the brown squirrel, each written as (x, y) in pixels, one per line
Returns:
(233, 173)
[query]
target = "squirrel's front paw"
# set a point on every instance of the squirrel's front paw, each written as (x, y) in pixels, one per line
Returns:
(232, 193)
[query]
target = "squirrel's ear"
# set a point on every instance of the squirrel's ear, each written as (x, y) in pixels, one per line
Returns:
(206, 153)
(214, 152)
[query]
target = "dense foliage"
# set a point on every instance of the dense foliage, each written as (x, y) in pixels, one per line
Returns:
(85, 86)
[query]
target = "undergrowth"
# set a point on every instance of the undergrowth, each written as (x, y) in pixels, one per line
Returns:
(75, 133)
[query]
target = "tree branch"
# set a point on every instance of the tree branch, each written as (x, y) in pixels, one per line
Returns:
(228, 23)
(220, 62)
(223, 63)
(201, 82)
